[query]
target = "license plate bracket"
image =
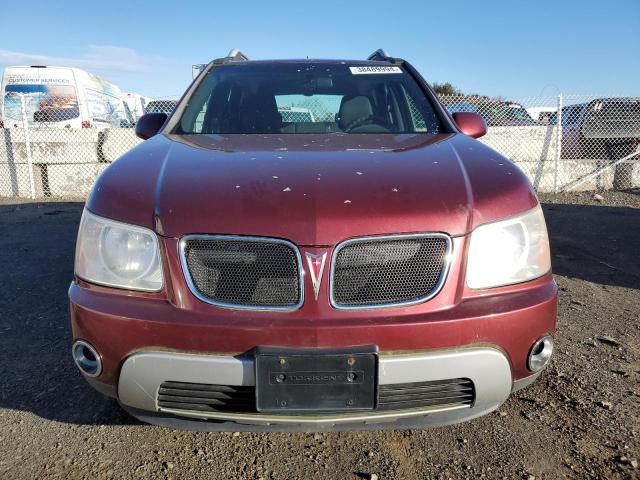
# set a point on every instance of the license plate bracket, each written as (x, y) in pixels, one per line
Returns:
(316, 380)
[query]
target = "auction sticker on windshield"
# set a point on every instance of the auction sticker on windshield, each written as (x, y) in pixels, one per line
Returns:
(370, 69)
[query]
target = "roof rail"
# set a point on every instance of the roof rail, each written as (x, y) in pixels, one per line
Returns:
(234, 55)
(380, 54)
(237, 54)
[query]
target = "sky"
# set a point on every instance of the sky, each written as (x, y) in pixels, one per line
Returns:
(512, 49)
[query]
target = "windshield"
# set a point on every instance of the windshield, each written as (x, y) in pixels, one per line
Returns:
(161, 106)
(43, 103)
(518, 112)
(462, 107)
(127, 113)
(301, 97)
(494, 112)
(498, 113)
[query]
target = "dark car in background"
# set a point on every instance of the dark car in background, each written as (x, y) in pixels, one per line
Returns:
(600, 129)
(606, 130)
(497, 113)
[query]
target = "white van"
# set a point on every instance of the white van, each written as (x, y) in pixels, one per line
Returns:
(60, 97)
(542, 114)
(137, 104)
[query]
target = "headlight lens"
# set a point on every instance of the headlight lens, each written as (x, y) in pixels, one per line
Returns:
(117, 254)
(509, 251)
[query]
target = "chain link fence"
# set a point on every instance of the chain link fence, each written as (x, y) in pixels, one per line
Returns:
(52, 147)
(564, 143)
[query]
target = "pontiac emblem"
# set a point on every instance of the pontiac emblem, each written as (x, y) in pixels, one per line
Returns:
(316, 267)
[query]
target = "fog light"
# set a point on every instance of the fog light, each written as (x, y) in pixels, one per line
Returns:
(86, 358)
(540, 353)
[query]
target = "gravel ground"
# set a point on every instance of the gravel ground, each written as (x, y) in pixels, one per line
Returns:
(579, 420)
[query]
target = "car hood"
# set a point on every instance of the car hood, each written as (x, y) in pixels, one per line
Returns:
(310, 189)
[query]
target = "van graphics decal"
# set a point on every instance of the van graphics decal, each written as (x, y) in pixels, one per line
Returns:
(28, 79)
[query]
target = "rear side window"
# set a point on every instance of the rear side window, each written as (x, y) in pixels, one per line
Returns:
(299, 97)
(43, 103)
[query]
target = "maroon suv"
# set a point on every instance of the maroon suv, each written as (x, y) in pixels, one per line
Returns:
(308, 245)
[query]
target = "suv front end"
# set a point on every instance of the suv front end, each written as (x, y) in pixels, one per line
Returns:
(372, 278)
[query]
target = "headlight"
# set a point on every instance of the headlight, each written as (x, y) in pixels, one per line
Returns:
(117, 254)
(509, 251)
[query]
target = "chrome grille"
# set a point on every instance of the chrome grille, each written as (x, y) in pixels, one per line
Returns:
(388, 271)
(243, 272)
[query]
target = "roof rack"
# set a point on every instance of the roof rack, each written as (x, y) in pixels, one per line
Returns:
(235, 55)
(380, 54)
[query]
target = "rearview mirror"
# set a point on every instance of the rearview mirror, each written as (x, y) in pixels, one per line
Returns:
(150, 124)
(470, 124)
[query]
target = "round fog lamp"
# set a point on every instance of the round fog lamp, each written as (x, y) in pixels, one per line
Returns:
(87, 358)
(540, 353)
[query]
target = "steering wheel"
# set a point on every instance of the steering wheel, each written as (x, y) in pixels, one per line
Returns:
(368, 120)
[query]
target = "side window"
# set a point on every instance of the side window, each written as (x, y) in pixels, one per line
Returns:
(422, 115)
(97, 106)
(417, 119)
(199, 121)
(115, 110)
(196, 119)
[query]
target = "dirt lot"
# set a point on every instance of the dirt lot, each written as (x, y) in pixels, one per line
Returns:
(581, 419)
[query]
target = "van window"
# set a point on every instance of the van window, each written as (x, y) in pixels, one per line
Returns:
(44, 103)
(105, 109)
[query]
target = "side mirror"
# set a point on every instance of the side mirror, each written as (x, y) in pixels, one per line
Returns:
(150, 124)
(470, 124)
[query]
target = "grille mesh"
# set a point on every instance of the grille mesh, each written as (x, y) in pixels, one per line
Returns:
(244, 272)
(378, 272)
(235, 399)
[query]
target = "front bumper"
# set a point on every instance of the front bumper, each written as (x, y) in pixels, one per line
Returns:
(144, 341)
(143, 373)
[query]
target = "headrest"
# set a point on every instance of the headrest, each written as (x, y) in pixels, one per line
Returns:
(259, 113)
(353, 108)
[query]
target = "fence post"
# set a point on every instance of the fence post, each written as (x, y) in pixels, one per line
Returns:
(558, 144)
(27, 143)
